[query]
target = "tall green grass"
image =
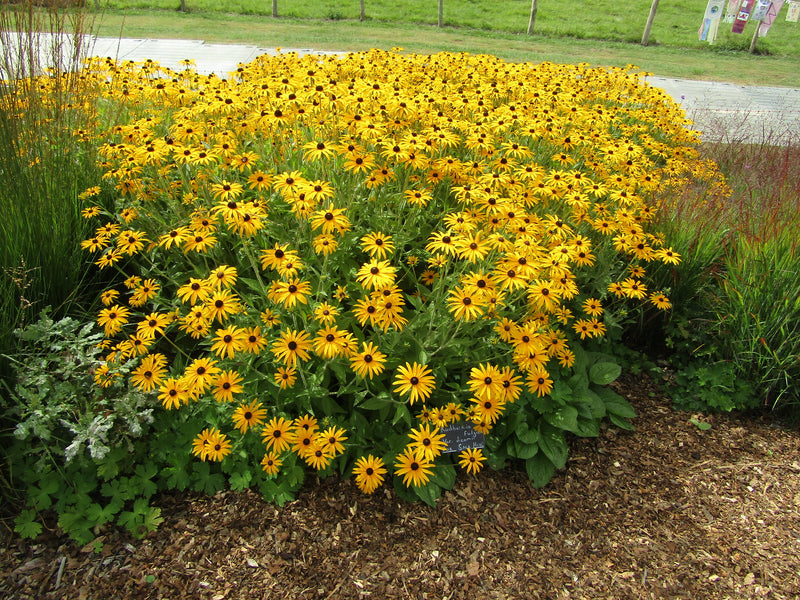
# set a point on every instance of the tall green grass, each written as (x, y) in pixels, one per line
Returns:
(44, 163)
(737, 292)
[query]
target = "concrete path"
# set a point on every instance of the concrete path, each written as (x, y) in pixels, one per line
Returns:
(719, 110)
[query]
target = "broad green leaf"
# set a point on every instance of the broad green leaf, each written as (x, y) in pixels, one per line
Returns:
(376, 402)
(525, 434)
(444, 476)
(603, 373)
(595, 404)
(522, 450)
(565, 418)
(540, 470)
(554, 446)
(428, 493)
(621, 422)
(588, 427)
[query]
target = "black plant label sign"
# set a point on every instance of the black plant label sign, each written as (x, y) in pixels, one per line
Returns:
(462, 436)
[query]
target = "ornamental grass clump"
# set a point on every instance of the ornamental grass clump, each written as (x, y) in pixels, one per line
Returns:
(327, 263)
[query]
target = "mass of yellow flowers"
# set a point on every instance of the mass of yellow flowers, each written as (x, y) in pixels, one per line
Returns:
(348, 254)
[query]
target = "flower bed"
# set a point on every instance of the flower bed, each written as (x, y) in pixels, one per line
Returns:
(325, 263)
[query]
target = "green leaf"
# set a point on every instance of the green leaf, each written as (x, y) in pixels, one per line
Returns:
(540, 470)
(444, 476)
(40, 495)
(565, 418)
(240, 481)
(401, 413)
(701, 425)
(619, 406)
(145, 473)
(526, 434)
(593, 401)
(621, 422)
(588, 427)
(603, 373)
(177, 478)
(554, 446)
(75, 524)
(99, 514)
(520, 449)
(27, 525)
(377, 402)
(152, 519)
(429, 493)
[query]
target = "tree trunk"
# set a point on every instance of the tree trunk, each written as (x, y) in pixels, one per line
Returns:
(363, 12)
(441, 13)
(651, 17)
(534, 8)
(274, 8)
(183, 6)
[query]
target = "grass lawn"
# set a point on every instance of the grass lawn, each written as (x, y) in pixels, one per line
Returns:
(474, 27)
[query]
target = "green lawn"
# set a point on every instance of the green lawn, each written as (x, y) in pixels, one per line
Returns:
(691, 60)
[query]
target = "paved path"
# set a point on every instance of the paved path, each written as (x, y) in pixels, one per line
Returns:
(719, 110)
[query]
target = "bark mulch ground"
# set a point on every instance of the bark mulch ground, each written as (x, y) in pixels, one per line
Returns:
(668, 511)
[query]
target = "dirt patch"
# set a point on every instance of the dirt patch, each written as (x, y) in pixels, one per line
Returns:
(668, 511)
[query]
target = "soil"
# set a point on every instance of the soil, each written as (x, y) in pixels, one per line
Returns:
(667, 511)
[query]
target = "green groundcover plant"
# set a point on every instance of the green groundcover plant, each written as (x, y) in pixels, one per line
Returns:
(385, 265)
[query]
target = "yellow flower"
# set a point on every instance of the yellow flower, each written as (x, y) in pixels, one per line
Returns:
(369, 361)
(369, 472)
(415, 470)
(415, 380)
(471, 460)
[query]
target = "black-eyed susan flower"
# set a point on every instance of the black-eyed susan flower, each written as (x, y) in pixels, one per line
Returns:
(415, 380)
(221, 304)
(222, 277)
(277, 434)
(318, 457)
(291, 345)
(660, 301)
(225, 385)
(328, 342)
(326, 313)
(150, 372)
(426, 442)
(291, 292)
(464, 305)
(471, 460)
(376, 274)
(377, 244)
(196, 290)
(331, 440)
(199, 375)
(486, 381)
(153, 324)
(285, 377)
(112, 319)
(247, 416)
(370, 361)
(539, 382)
(173, 393)
(218, 446)
(369, 472)
(415, 471)
(634, 288)
(271, 463)
(331, 220)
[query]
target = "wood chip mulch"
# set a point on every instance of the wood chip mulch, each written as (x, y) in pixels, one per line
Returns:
(668, 511)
